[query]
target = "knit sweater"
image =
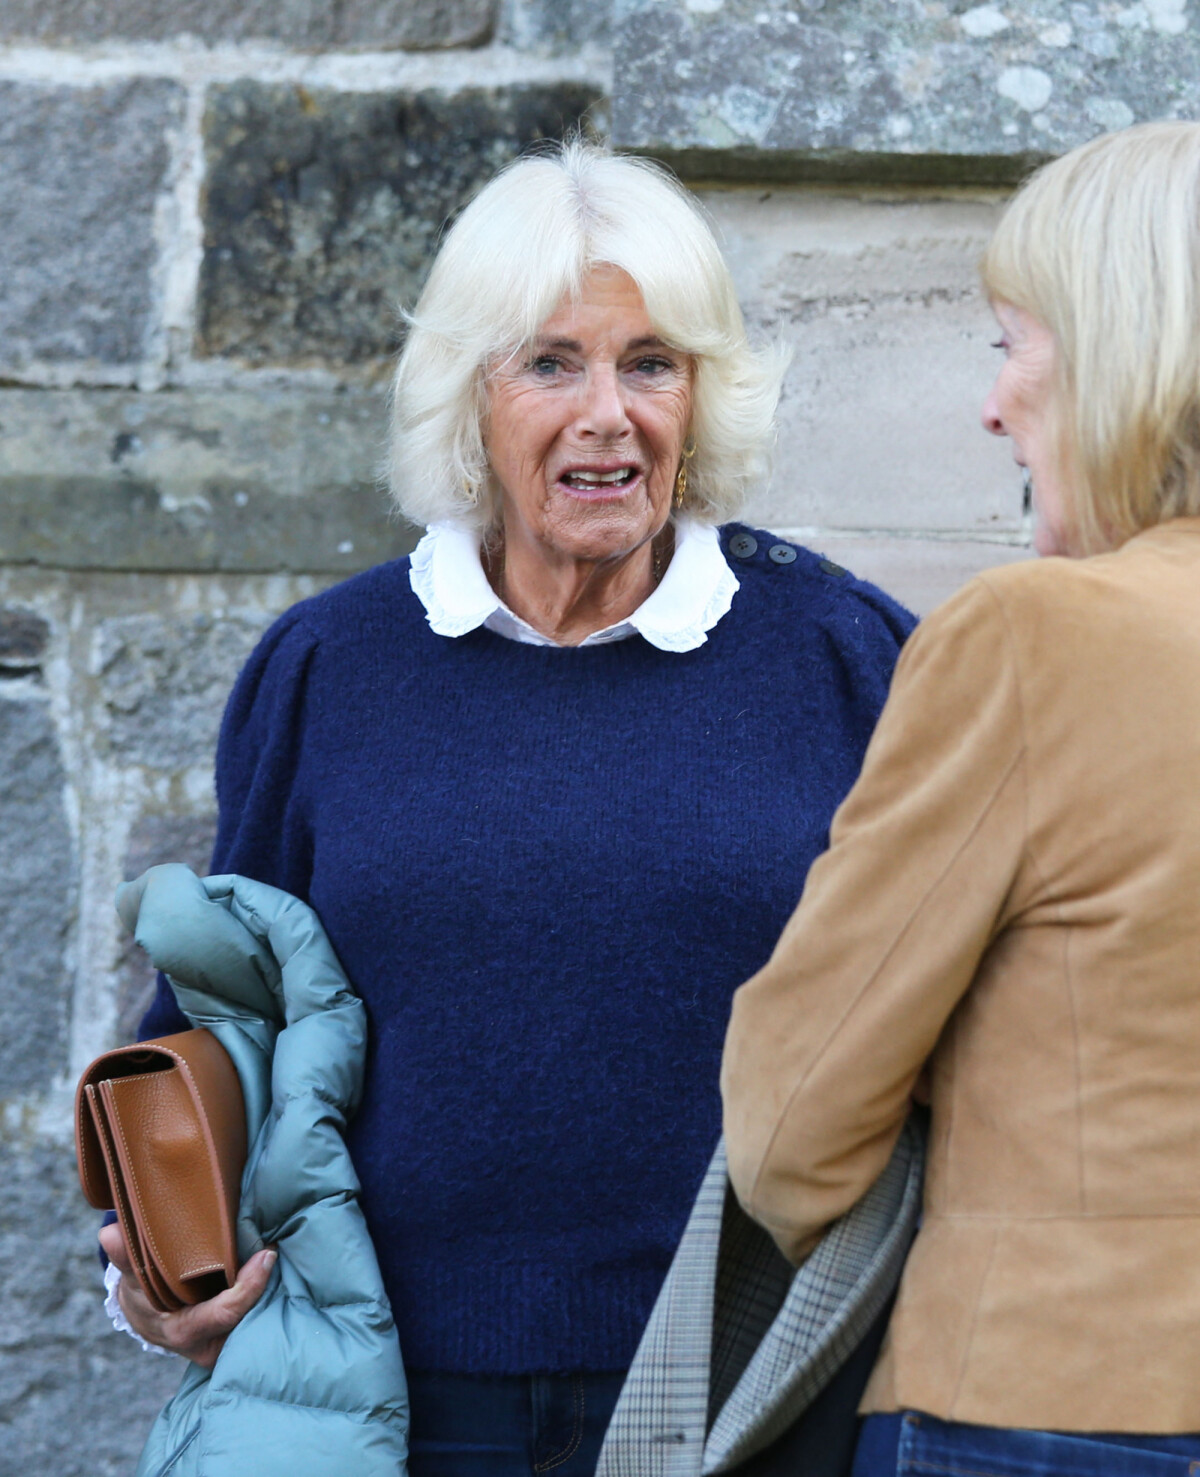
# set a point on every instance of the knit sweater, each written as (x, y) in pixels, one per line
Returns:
(545, 870)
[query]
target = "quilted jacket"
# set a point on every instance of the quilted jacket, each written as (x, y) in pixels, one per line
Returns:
(310, 1382)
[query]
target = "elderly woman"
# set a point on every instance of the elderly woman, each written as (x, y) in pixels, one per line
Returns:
(553, 786)
(1011, 894)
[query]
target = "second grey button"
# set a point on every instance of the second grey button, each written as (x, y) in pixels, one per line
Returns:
(781, 554)
(742, 546)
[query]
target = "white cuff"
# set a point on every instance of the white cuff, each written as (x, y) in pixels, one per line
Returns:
(112, 1306)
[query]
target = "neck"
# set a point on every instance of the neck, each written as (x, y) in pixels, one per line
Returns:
(568, 599)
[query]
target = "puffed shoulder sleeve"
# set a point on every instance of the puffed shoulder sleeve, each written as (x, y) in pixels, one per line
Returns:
(262, 827)
(826, 1041)
(262, 815)
(865, 630)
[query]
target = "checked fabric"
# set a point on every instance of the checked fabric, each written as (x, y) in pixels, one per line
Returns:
(740, 1342)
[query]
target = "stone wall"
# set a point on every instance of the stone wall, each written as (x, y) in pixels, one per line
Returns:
(209, 215)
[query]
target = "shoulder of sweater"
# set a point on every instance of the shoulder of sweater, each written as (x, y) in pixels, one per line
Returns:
(344, 607)
(346, 611)
(813, 585)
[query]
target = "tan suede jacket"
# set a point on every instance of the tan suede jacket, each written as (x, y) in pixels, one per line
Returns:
(1013, 893)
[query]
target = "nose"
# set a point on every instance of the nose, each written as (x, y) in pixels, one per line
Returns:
(603, 412)
(990, 415)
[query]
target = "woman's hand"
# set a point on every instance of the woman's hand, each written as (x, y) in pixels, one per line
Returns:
(198, 1332)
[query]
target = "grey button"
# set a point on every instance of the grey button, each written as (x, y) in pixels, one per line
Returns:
(831, 568)
(781, 554)
(742, 546)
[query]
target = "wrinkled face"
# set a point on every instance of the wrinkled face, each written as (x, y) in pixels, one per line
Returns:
(586, 426)
(1019, 407)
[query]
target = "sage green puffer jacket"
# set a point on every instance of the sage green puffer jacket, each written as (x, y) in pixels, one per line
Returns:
(310, 1383)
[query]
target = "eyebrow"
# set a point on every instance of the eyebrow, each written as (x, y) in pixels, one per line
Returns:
(573, 346)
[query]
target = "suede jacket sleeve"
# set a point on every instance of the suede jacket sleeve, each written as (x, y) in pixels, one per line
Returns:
(827, 1040)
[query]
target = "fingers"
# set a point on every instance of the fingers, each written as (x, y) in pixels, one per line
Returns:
(227, 1309)
(112, 1244)
(198, 1332)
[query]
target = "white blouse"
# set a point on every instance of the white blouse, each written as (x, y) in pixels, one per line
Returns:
(696, 590)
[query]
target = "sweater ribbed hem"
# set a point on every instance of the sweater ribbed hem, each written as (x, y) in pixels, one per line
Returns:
(523, 1320)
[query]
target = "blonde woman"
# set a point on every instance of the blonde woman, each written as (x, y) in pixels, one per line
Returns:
(552, 785)
(1012, 894)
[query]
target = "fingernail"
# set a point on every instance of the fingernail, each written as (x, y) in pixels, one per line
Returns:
(269, 1259)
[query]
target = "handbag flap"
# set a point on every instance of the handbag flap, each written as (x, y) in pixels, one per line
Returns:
(161, 1136)
(170, 1174)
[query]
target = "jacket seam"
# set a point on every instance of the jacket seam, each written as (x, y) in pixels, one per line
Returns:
(1064, 1215)
(231, 1396)
(1027, 851)
(970, 1338)
(853, 1004)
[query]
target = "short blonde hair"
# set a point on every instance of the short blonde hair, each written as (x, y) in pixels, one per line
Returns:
(1102, 246)
(519, 250)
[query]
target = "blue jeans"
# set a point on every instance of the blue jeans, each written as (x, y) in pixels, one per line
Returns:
(519, 1425)
(526, 1425)
(915, 1445)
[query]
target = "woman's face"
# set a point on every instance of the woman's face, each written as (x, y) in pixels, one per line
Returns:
(586, 427)
(1019, 407)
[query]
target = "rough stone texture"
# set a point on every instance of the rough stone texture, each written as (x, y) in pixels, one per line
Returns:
(305, 24)
(322, 209)
(23, 638)
(892, 88)
(76, 1398)
(557, 26)
(878, 299)
(36, 883)
(195, 481)
(80, 169)
(164, 680)
(156, 839)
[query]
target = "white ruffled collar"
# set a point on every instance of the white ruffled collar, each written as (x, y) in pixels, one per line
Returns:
(697, 589)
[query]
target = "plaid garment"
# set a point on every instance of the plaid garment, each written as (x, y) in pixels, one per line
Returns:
(740, 1343)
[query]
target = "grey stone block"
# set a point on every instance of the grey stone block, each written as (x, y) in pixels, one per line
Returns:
(163, 683)
(323, 209)
(23, 638)
(876, 89)
(156, 839)
(557, 26)
(879, 300)
(879, 423)
(194, 481)
(80, 169)
(36, 883)
(306, 24)
(76, 1398)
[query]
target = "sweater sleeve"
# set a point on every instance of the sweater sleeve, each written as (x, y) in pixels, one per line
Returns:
(826, 1041)
(262, 829)
(262, 819)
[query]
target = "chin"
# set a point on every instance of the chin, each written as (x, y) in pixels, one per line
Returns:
(596, 531)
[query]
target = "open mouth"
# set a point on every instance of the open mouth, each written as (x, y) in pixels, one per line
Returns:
(580, 479)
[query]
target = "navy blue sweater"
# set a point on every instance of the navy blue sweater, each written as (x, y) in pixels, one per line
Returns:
(546, 871)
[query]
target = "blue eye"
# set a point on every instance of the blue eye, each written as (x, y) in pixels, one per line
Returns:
(545, 365)
(653, 364)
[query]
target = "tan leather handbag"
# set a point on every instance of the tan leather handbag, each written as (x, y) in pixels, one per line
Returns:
(160, 1136)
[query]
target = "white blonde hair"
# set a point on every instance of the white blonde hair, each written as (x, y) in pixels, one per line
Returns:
(1103, 247)
(518, 251)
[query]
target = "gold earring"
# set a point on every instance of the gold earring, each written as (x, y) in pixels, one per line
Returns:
(680, 486)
